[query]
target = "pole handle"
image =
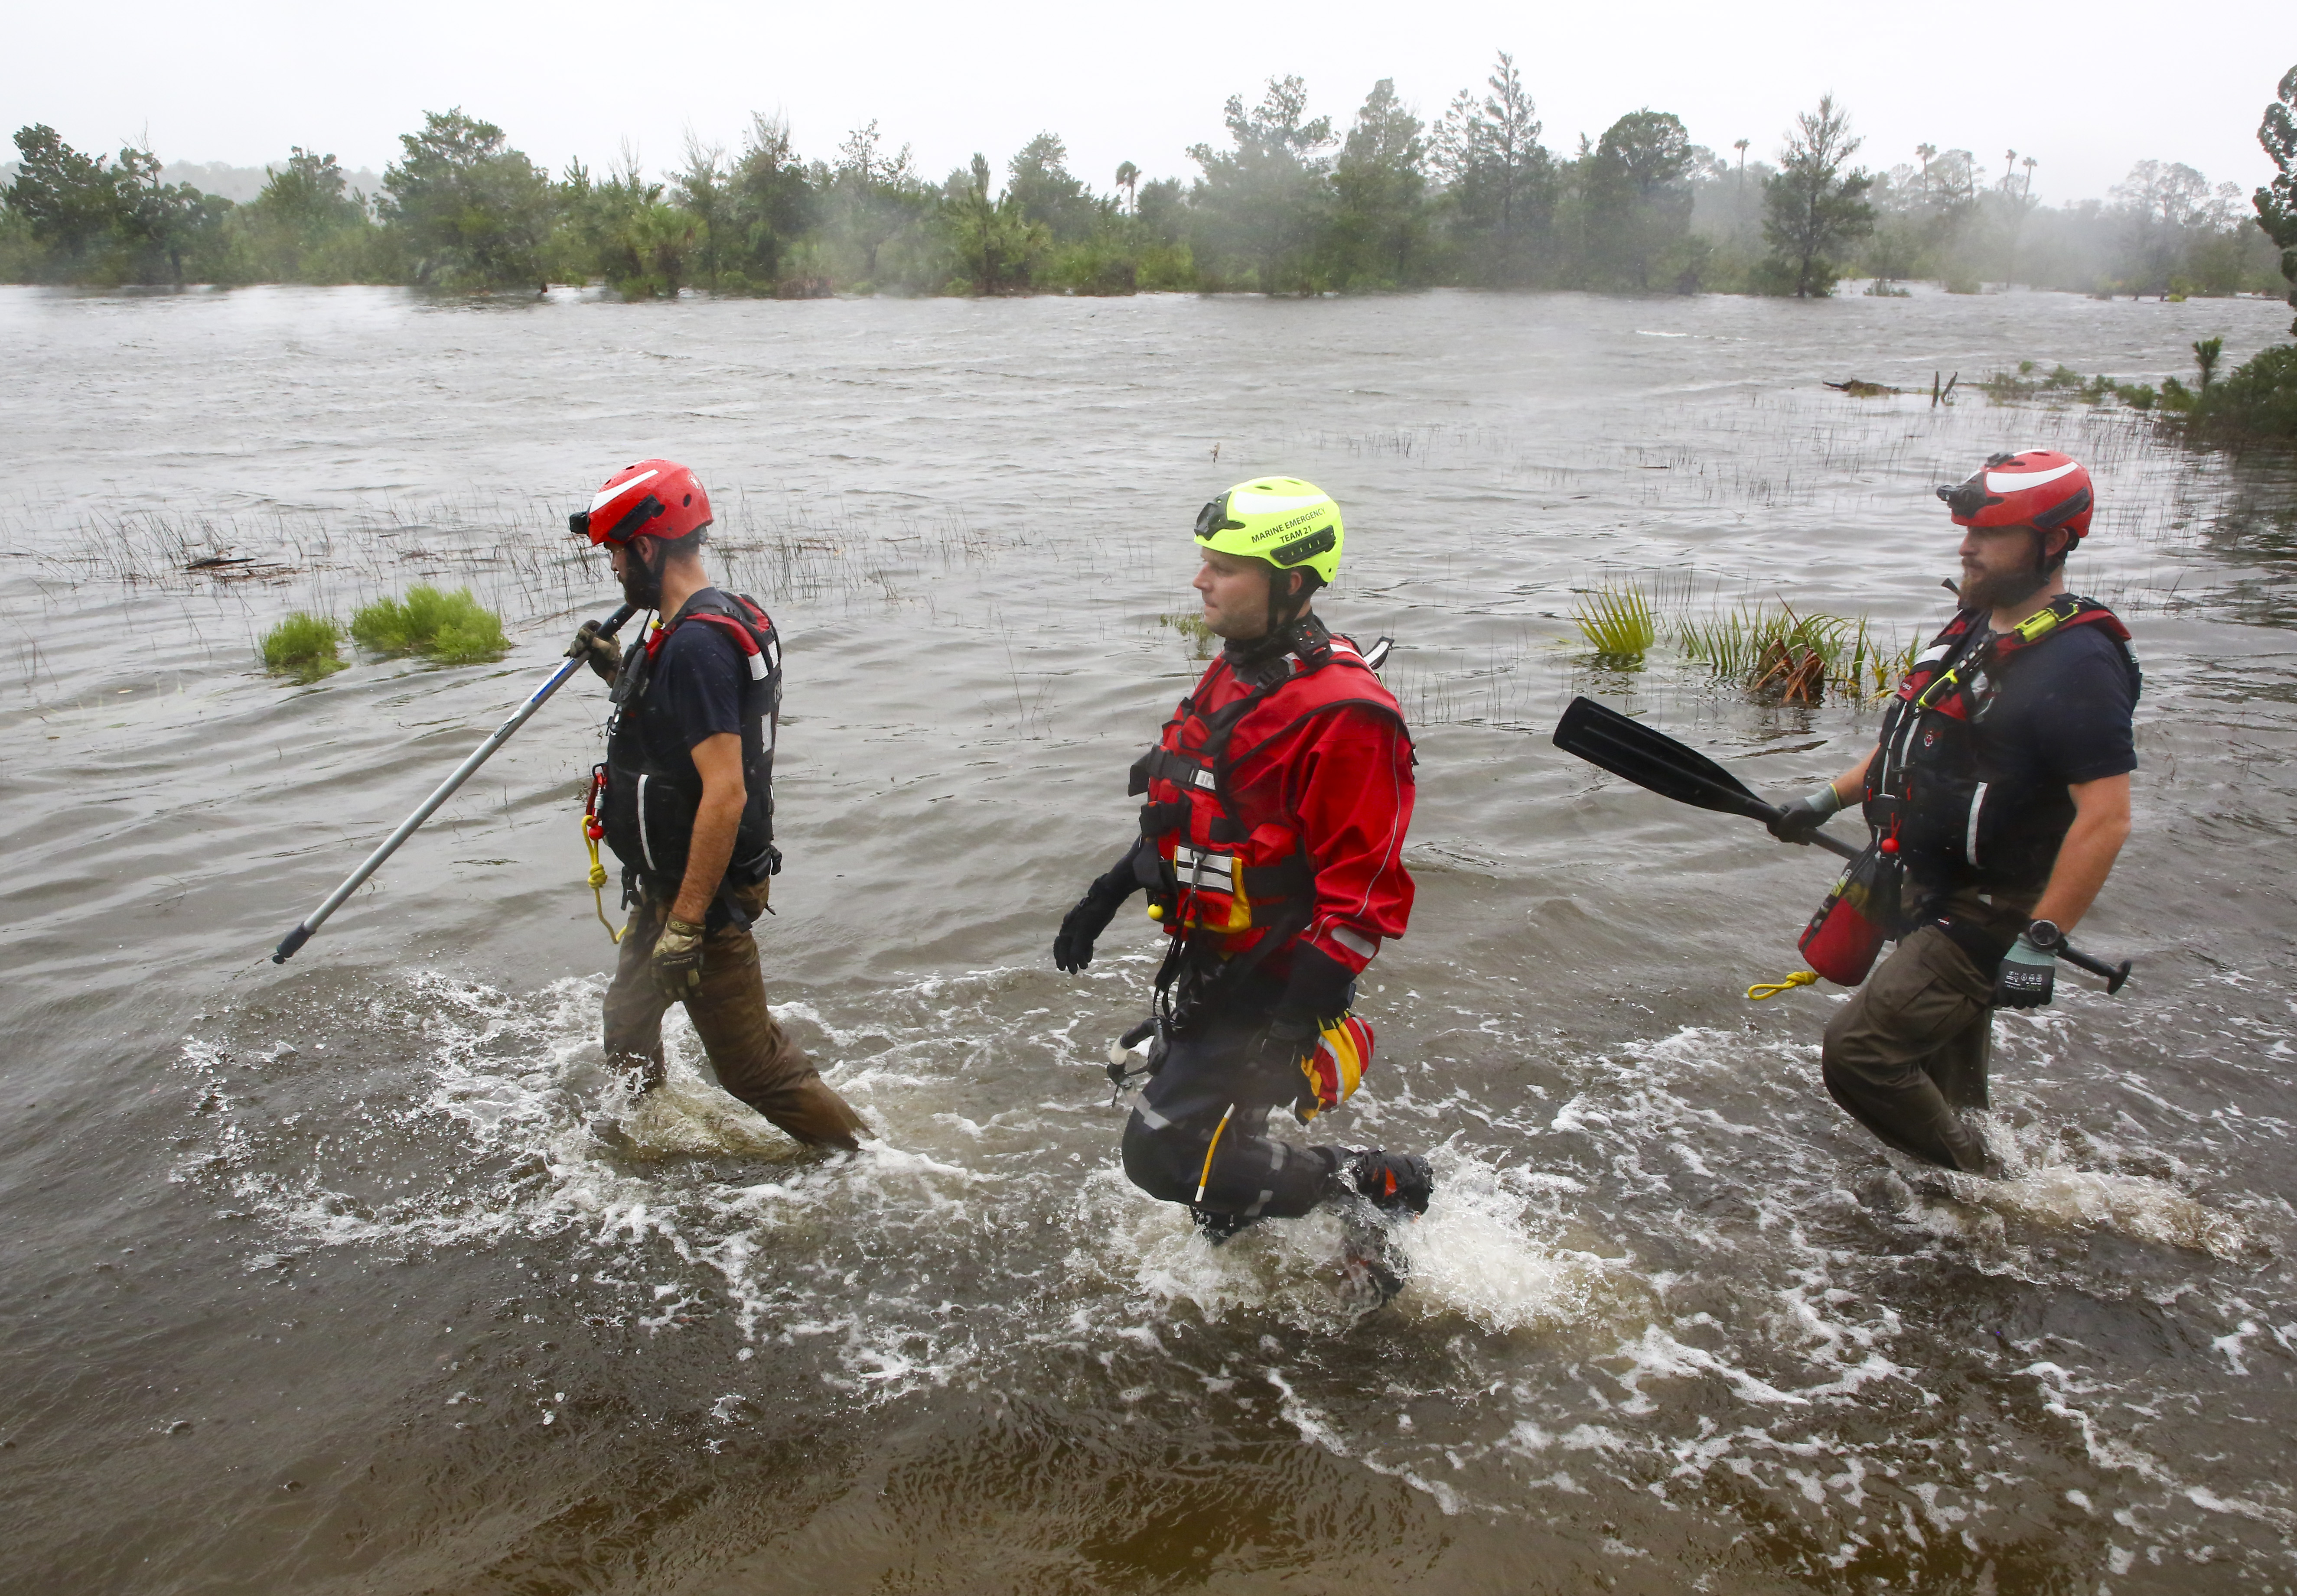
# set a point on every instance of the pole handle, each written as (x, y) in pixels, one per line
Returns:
(2113, 975)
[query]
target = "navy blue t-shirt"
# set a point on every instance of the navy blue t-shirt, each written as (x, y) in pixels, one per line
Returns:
(693, 692)
(2061, 717)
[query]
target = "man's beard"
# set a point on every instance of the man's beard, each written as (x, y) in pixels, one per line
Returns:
(641, 582)
(2003, 589)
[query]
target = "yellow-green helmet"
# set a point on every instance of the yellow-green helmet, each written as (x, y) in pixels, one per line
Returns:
(1282, 520)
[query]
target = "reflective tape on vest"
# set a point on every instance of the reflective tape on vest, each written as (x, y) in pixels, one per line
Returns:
(1201, 870)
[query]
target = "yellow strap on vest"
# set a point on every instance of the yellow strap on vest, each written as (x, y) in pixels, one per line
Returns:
(1772, 989)
(1204, 1178)
(599, 881)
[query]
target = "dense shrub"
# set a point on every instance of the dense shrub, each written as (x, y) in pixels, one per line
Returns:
(303, 647)
(450, 627)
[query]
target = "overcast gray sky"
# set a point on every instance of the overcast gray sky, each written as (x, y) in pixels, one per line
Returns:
(2087, 86)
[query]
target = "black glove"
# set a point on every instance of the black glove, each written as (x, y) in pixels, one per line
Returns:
(2027, 976)
(1798, 819)
(1290, 1037)
(604, 655)
(1317, 991)
(1073, 946)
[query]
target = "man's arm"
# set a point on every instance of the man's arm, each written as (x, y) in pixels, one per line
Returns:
(1354, 808)
(1851, 783)
(2100, 825)
(716, 819)
(1798, 818)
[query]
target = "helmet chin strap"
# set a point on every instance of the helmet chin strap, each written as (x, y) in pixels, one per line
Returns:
(1292, 628)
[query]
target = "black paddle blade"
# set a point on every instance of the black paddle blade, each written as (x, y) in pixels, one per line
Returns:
(1651, 759)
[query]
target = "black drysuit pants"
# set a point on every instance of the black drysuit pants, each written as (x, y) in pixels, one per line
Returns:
(1200, 1134)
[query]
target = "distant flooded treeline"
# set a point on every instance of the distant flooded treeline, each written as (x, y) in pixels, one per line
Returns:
(1291, 203)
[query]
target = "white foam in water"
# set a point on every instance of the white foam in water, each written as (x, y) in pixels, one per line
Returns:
(847, 1257)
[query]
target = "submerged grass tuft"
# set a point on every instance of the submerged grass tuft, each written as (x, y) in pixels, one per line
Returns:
(304, 647)
(1619, 623)
(1193, 628)
(454, 629)
(1771, 649)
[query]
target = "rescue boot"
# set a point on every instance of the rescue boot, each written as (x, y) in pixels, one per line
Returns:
(1219, 1228)
(1392, 1182)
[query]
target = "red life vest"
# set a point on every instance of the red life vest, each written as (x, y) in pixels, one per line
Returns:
(1230, 861)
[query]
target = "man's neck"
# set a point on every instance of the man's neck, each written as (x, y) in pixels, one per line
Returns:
(681, 580)
(2008, 616)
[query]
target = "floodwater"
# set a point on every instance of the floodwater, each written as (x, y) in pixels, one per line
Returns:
(316, 1280)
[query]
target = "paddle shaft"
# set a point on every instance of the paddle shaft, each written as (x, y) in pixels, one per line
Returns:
(445, 790)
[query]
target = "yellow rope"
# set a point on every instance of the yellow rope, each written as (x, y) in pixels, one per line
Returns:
(1772, 989)
(599, 882)
(1205, 1178)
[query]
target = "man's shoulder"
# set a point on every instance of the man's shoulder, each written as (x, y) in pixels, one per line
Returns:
(2077, 653)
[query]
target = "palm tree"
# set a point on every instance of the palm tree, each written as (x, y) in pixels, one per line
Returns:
(2030, 163)
(1924, 153)
(1128, 178)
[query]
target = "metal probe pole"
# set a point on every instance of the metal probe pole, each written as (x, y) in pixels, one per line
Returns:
(445, 790)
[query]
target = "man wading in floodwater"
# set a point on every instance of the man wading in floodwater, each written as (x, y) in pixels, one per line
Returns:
(2001, 782)
(1271, 848)
(689, 805)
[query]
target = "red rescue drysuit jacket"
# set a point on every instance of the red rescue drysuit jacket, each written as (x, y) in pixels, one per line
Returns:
(1278, 806)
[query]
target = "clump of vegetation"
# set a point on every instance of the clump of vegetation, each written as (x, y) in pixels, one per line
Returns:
(452, 629)
(304, 647)
(2063, 381)
(1795, 658)
(1619, 624)
(1192, 627)
(2257, 399)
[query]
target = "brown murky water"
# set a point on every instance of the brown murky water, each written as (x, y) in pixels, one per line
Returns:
(314, 1280)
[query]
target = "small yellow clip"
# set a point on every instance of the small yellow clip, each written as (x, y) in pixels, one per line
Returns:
(1772, 989)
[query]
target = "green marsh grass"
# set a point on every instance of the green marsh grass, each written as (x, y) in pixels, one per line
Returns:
(1757, 644)
(452, 629)
(304, 647)
(1619, 623)
(1193, 628)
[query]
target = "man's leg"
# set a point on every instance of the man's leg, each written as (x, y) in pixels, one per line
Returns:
(753, 1057)
(1960, 1070)
(1234, 1170)
(1925, 1006)
(634, 1008)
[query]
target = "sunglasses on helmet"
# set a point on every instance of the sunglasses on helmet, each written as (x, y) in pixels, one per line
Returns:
(622, 530)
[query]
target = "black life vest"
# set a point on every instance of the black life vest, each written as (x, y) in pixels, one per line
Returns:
(649, 809)
(1235, 867)
(1928, 800)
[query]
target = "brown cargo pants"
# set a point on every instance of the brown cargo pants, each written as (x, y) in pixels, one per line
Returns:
(752, 1056)
(1910, 1050)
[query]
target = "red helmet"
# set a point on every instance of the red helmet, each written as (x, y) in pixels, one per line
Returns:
(2040, 488)
(653, 498)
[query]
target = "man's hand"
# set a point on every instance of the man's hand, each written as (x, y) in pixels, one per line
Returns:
(1073, 946)
(1798, 819)
(1291, 1037)
(604, 655)
(2028, 974)
(676, 961)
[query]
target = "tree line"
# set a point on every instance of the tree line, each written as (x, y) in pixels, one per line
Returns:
(1289, 203)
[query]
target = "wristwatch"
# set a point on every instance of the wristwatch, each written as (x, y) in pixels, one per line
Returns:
(2046, 935)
